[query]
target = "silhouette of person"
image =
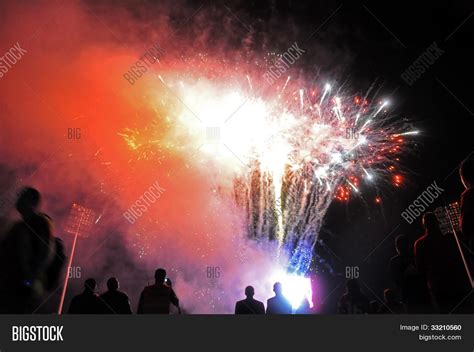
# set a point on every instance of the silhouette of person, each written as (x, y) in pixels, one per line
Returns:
(115, 301)
(278, 304)
(438, 258)
(391, 304)
(304, 307)
(156, 299)
(249, 305)
(353, 301)
(88, 302)
(466, 172)
(408, 279)
(27, 254)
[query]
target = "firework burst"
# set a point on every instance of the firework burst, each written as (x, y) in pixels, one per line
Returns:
(290, 150)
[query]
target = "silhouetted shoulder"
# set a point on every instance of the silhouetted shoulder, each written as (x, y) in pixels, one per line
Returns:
(239, 307)
(419, 243)
(261, 307)
(148, 288)
(271, 302)
(468, 194)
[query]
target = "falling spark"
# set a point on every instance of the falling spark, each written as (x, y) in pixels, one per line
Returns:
(409, 133)
(286, 83)
(301, 99)
(385, 103)
(353, 186)
(327, 88)
(370, 177)
(250, 83)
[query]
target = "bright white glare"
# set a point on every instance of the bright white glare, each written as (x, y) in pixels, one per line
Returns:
(409, 133)
(296, 288)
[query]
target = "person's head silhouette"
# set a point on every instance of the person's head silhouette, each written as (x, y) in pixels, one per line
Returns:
(430, 223)
(90, 285)
(112, 284)
(466, 171)
(278, 289)
(160, 276)
(402, 244)
(28, 201)
(249, 292)
(389, 295)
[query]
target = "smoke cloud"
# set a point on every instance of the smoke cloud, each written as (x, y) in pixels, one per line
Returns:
(65, 108)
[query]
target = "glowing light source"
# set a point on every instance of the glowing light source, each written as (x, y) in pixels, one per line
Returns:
(296, 288)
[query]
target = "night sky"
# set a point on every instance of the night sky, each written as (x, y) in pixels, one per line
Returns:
(357, 44)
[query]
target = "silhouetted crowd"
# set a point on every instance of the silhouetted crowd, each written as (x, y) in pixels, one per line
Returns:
(155, 299)
(431, 276)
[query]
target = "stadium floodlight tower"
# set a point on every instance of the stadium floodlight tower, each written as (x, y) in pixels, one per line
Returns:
(449, 222)
(79, 223)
